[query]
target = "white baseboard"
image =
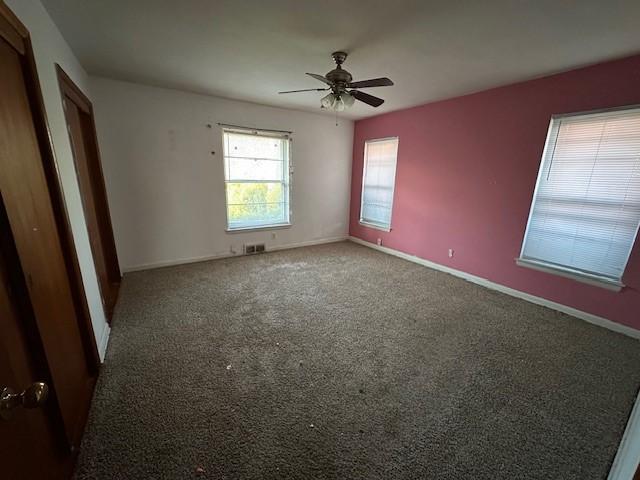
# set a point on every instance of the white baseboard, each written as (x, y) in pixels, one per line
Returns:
(205, 258)
(589, 317)
(308, 243)
(171, 263)
(104, 340)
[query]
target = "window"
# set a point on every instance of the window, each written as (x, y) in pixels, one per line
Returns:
(586, 206)
(378, 181)
(256, 169)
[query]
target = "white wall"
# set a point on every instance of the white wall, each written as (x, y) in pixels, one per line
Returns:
(50, 48)
(166, 189)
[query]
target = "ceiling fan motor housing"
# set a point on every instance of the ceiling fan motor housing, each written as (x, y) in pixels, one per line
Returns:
(339, 77)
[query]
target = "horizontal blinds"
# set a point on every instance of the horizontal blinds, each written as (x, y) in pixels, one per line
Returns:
(253, 157)
(378, 181)
(586, 207)
(256, 175)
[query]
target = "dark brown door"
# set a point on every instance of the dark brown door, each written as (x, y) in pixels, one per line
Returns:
(27, 438)
(43, 329)
(80, 123)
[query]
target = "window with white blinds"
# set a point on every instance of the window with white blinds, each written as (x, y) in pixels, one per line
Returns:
(586, 207)
(256, 170)
(378, 182)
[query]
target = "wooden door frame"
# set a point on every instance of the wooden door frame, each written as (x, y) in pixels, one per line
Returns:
(16, 34)
(69, 89)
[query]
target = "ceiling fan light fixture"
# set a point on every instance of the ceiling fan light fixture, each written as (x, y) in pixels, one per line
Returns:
(339, 105)
(336, 102)
(328, 101)
(348, 99)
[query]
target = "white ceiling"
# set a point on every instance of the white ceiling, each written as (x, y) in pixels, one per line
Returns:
(431, 49)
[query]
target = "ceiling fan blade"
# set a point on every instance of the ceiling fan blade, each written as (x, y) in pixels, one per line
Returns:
(366, 98)
(306, 90)
(374, 82)
(319, 77)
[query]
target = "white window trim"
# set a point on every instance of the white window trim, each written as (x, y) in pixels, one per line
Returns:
(374, 226)
(361, 221)
(275, 226)
(583, 277)
(288, 184)
(535, 264)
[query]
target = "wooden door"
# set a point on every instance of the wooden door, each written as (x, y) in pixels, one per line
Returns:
(45, 329)
(27, 440)
(81, 127)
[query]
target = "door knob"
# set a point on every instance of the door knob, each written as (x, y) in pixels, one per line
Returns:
(31, 397)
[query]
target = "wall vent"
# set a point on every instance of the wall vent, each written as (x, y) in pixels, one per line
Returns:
(250, 249)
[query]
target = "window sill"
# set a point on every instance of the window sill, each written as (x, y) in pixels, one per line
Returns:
(258, 228)
(374, 226)
(594, 280)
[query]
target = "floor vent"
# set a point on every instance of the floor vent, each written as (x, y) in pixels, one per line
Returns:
(255, 248)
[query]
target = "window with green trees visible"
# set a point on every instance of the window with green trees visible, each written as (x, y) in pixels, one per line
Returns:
(256, 166)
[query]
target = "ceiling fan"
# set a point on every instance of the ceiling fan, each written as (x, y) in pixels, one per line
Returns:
(344, 92)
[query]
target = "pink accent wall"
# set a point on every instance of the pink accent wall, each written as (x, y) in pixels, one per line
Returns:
(467, 168)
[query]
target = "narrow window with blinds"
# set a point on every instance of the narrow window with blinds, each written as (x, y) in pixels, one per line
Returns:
(586, 206)
(256, 169)
(378, 182)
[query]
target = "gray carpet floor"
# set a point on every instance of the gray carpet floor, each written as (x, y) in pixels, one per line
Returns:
(340, 362)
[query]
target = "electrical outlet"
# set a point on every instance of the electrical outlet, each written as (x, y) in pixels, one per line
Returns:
(379, 242)
(450, 252)
(273, 235)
